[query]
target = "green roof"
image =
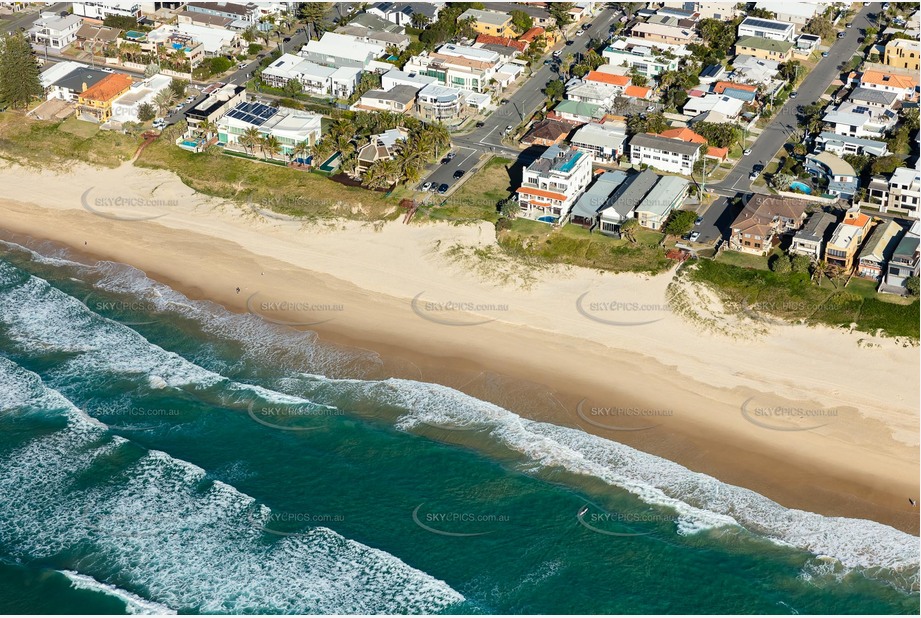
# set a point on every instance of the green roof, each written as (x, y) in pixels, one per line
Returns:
(758, 42)
(577, 108)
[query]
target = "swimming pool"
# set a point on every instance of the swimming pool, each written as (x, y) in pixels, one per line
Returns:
(548, 219)
(801, 187)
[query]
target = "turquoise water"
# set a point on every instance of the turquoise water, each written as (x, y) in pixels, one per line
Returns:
(161, 454)
(548, 219)
(801, 186)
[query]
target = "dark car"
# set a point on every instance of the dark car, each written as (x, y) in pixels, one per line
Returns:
(569, 42)
(448, 157)
(586, 26)
(480, 124)
(758, 168)
(841, 35)
(442, 188)
(458, 174)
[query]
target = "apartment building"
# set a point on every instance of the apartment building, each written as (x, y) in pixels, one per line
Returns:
(644, 58)
(55, 31)
(468, 68)
(841, 250)
(552, 183)
(903, 54)
(900, 194)
(764, 49)
(662, 153)
(100, 10)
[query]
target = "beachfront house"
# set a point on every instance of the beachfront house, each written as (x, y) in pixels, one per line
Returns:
(810, 240)
(552, 183)
(290, 127)
(850, 233)
(878, 250)
(667, 195)
(904, 262)
(763, 220)
(624, 201)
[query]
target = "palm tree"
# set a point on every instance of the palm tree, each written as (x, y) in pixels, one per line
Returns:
(250, 139)
(164, 100)
(819, 270)
(300, 151)
(207, 128)
(270, 146)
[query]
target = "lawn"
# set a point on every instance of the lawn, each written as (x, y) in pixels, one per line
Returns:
(743, 260)
(476, 199)
(574, 245)
(279, 188)
(36, 142)
(795, 297)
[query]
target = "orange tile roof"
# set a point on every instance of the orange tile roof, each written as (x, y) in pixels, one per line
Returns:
(719, 87)
(489, 39)
(550, 195)
(717, 153)
(685, 135)
(640, 92)
(607, 78)
(107, 88)
(531, 34)
(858, 220)
(888, 79)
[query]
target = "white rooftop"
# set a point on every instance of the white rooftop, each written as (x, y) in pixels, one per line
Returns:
(342, 46)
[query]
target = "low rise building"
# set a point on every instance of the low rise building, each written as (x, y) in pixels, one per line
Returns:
(596, 198)
(490, 22)
(796, 13)
(401, 13)
(552, 183)
(640, 56)
(763, 220)
(375, 37)
(878, 250)
(624, 200)
(815, 233)
(381, 147)
(904, 86)
(70, 80)
(846, 144)
(835, 172)
(467, 68)
(55, 31)
(730, 107)
(290, 127)
(662, 153)
(899, 194)
(219, 101)
(904, 262)
(399, 99)
(849, 234)
(604, 142)
(764, 49)
(752, 70)
(127, 107)
(101, 9)
(95, 104)
(667, 195)
(860, 121)
(339, 50)
(766, 29)
(546, 132)
(660, 33)
(903, 54)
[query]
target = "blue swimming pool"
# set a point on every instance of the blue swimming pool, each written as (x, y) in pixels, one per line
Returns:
(801, 187)
(548, 219)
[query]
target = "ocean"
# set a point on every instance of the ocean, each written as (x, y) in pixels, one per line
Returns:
(163, 455)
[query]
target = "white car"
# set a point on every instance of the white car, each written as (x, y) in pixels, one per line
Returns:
(746, 152)
(694, 236)
(558, 53)
(427, 186)
(580, 32)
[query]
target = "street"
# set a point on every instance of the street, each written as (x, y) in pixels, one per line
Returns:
(785, 119)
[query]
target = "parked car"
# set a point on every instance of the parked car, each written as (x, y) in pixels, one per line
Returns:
(586, 26)
(753, 175)
(698, 220)
(558, 53)
(480, 124)
(448, 157)
(825, 54)
(458, 174)
(758, 168)
(848, 25)
(746, 152)
(508, 130)
(427, 186)
(442, 188)
(694, 236)
(569, 42)
(841, 35)
(580, 32)
(793, 94)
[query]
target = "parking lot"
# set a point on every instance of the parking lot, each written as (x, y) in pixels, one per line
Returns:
(464, 159)
(716, 223)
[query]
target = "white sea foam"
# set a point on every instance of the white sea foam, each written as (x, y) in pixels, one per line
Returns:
(133, 603)
(700, 501)
(157, 529)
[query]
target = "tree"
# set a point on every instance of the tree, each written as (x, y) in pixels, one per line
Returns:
(314, 14)
(912, 285)
(146, 112)
(521, 21)
(250, 139)
(270, 146)
(122, 22)
(820, 26)
(151, 69)
(883, 166)
(509, 208)
(19, 76)
(858, 162)
(164, 100)
(219, 64)
(249, 35)
(819, 270)
(780, 264)
(789, 71)
(560, 12)
(293, 87)
(628, 229)
(420, 20)
(555, 89)
(680, 222)
(178, 86)
(800, 264)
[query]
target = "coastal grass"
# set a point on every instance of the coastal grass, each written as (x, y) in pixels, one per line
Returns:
(30, 142)
(477, 198)
(575, 246)
(795, 297)
(283, 190)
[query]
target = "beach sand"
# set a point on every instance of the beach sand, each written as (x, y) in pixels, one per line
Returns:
(815, 418)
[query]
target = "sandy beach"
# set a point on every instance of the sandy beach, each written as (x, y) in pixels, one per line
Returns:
(815, 418)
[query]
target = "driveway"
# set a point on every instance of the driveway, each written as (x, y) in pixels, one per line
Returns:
(718, 218)
(785, 120)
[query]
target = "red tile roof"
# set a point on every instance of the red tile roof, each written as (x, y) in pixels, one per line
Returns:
(640, 92)
(108, 87)
(531, 34)
(489, 39)
(719, 87)
(607, 78)
(541, 193)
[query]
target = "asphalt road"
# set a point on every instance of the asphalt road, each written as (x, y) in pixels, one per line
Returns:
(785, 120)
(26, 18)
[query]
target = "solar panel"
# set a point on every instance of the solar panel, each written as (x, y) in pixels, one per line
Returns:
(253, 113)
(761, 23)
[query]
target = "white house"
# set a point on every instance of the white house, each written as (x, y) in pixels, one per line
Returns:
(667, 195)
(339, 50)
(767, 29)
(796, 13)
(103, 9)
(644, 57)
(722, 104)
(126, 107)
(55, 31)
(290, 126)
(662, 153)
(552, 183)
(469, 68)
(603, 142)
(860, 121)
(314, 78)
